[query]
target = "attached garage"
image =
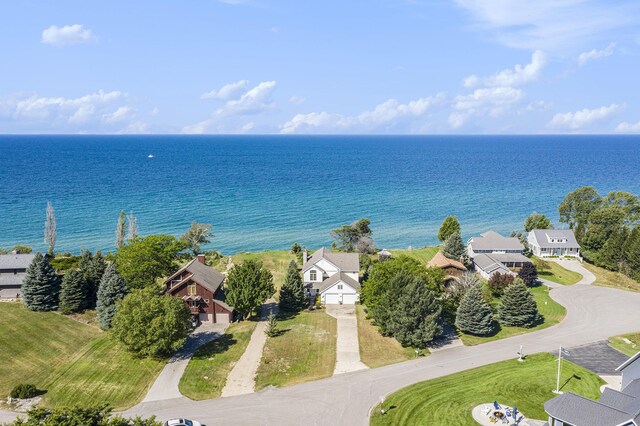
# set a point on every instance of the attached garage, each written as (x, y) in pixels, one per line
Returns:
(339, 289)
(206, 318)
(331, 299)
(222, 318)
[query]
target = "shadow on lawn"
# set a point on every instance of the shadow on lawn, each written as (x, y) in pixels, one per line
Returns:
(218, 346)
(573, 377)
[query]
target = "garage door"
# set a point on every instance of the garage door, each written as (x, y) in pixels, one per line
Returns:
(331, 299)
(349, 299)
(205, 317)
(222, 318)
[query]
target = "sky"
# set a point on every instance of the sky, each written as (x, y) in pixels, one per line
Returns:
(320, 67)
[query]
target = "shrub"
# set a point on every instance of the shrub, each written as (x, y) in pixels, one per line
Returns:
(498, 282)
(529, 274)
(24, 391)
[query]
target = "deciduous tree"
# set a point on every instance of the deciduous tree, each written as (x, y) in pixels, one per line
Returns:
(348, 236)
(50, 229)
(197, 235)
(576, 207)
(151, 325)
(41, 285)
(132, 232)
(382, 275)
(248, 286)
(498, 282)
(529, 274)
(537, 221)
(121, 230)
(99, 415)
(632, 252)
(449, 226)
(144, 260)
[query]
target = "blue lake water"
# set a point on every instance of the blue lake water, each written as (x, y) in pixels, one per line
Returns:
(266, 192)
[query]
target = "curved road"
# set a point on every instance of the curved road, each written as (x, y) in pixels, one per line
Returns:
(593, 314)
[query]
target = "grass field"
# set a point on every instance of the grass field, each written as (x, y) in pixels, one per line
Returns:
(377, 350)
(424, 255)
(552, 312)
(276, 261)
(72, 361)
(207, 371)
(449, 400)
(620, 343)
(606, 278)
(560, 275)
(304, 351)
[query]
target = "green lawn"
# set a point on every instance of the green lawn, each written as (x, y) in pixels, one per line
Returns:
(72, 361)
(558, 274)
(424, 255)
(276, 261)
(552, 312)
(207, 371)
(377, 350)
(620, 343)
(449, 400)
(606, 278)
(304, 351)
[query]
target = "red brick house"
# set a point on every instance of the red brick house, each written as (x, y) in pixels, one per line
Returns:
(200, 286)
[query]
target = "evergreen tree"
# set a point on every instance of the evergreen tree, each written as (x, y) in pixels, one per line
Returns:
(292, 297)
(73, 292)
(121, 230)
(529, 274)
(111, 290)
(41, 286)
(197, 235)
(92, 268)
(449, 226)
(474, 314)
(632, 252)
(453, 247)
(414, 320)
(517, 308)
(248, 286)
(272, 325)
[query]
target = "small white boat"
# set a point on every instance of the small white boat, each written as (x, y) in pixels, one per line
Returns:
(150, 156)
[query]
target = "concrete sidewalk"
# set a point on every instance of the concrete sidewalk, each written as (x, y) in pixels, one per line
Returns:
(348, 348)
(166, 385)
(242, 378)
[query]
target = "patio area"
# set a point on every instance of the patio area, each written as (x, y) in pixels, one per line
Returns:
(492, 414)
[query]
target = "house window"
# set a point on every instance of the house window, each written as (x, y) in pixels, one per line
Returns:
(191, 289)
(339, 286)
(313, 275)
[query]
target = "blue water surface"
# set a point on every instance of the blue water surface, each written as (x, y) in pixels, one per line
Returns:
(266, 192)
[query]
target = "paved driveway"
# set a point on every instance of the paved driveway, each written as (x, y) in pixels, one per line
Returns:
(347, 347)
(593, 314)
(166, 385)
(598, 357)
(576, 266)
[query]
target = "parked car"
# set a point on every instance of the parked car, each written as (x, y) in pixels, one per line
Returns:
(182, 422)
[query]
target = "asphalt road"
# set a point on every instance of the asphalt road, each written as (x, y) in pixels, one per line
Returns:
(593, 314)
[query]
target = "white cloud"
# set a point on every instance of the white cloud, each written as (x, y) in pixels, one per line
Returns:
(625, 127)
(121, 114)
(251, 102)
(550, 24)
(227, 91)
(490, 101)
(296, 100)
(517, 76)
(74, 109)
(389, 116)
(584, 117)
(585, 57)
(67, 35)
(155, 111)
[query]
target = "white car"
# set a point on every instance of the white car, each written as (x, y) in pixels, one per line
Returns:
(182, 422)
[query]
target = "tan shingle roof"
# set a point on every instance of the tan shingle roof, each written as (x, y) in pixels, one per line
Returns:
(348, 262)
(442, 261)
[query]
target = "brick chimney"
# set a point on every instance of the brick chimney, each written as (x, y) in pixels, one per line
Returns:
(201, 259)
(305, 256)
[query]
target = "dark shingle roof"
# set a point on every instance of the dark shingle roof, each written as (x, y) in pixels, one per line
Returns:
(204, 275)
(578, 410)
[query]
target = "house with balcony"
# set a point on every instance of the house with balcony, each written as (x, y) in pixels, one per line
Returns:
(334, 277)
(613, 408)
(553, 242)
(201, 288)
(493, 253)
(13, 269)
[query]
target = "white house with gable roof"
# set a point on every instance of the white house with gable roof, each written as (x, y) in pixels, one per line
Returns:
(332, 276)
(553, 242)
